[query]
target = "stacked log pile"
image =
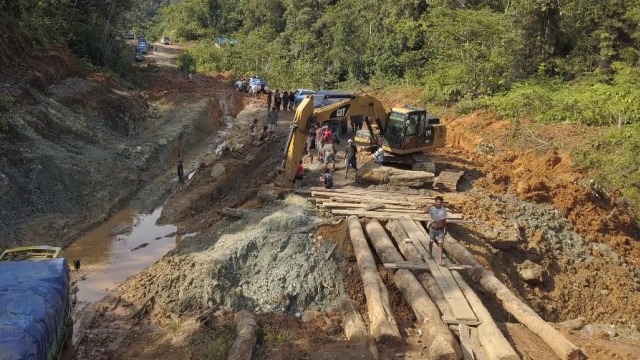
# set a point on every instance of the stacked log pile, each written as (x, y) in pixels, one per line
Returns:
(376, 204)
(439, 296)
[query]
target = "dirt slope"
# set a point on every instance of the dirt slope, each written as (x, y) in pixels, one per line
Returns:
(78, 145)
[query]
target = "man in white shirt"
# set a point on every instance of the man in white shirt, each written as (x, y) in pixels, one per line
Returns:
(437, 226)
(378, 156)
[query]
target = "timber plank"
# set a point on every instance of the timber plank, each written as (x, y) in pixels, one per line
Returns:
(465, 342)
(452, 293)
(360, 204)
(456, 321)
(390, 215)
(478, 350)
(407, 265)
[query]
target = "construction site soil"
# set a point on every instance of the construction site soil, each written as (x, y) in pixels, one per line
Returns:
(77, 146)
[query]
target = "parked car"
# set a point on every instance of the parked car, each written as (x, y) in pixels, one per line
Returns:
(262, 85)
(139, 57)
(299, 94)
(165, 40)
(142, 47)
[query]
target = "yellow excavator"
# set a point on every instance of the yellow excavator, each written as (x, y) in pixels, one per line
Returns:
(405, 132)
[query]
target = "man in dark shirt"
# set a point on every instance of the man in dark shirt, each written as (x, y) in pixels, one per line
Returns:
(180, 172)
(351, 158)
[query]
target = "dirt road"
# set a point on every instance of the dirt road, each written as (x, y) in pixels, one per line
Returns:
(272, 259)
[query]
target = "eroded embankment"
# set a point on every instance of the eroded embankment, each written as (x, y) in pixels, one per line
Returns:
(76, 154)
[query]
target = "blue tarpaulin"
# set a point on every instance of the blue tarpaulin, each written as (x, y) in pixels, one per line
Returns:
(33, 308)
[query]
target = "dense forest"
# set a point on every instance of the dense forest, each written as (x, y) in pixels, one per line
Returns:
(546, 60)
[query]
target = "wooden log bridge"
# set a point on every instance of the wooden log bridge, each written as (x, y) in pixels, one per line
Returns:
(442, 344)
(382, 323)
(524, 314)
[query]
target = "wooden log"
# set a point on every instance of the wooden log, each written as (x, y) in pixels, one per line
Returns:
(236, 213)
(411, 253)
(359, 205)
(382, 323)
(205, 316)
(375, 206)
(355, 190)
(143, 305)
(330, 252)
(379, 175)
(357, 198)
(493, 341)
(478, 350)
(354, 328)
(524, 314)
(360, 208)
(115, 303)
(390, 194)
(247, 330)
(453, 295)
(442, 344)
(389, 215)
(407, 265)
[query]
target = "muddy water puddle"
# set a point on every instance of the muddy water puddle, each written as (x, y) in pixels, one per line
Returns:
(122, 246)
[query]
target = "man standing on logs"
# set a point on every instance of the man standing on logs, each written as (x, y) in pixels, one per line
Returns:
(437, 226)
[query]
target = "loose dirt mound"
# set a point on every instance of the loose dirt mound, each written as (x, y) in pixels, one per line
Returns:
(263, 262)
(533, 162)
(583, 240)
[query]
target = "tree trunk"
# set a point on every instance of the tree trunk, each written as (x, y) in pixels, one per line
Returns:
(442, 344)
(382, 323)
(493, 341)
(247, 328)
(556, 341)
(354, 328)
(378, 175)
(411, 254)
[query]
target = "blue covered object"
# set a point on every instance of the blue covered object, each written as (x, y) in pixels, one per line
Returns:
(34, 297)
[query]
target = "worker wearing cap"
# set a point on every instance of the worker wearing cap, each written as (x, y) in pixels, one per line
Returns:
(351, 158)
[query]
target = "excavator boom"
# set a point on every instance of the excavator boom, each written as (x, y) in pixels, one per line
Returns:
(398, 131)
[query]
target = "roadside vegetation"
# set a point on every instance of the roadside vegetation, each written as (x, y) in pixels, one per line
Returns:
(549, 61)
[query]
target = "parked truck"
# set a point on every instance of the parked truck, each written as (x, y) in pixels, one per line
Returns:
(35, 303)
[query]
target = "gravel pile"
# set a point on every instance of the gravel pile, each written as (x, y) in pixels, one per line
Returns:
(263, 262)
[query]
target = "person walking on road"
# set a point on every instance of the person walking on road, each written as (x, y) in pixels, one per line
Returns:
(277, 100)
(319, 133)
(311, 141)
(180, 172)
(189, 76)
(272, 120)
(378, 156)
(351, 158)
(329, 151)
(285, 100)
(437, 227)
(269, 99)
(292, 100)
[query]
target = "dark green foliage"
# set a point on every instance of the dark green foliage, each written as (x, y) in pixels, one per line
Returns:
(549, 60)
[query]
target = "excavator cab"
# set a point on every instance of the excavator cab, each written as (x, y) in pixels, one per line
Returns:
(409, 130)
